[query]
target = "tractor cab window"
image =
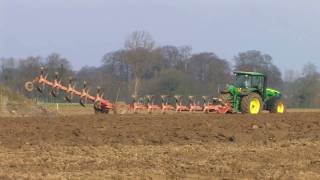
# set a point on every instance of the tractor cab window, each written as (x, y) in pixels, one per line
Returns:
(257, 82)
(243, 81)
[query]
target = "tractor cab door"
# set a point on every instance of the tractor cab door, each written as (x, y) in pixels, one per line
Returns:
(257, 83)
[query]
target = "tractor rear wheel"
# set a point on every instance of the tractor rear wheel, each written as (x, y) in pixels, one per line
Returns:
(277, 106)
(251, 104)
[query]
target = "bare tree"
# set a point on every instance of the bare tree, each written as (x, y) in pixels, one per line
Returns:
(139, 47)
(139, 39)
(8, 71)
(175, 56)
(290, 75)
(256, 61)
(210, 70)
(56, 63)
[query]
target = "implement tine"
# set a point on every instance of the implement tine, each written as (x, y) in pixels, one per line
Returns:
(83, 96)
(71, 86)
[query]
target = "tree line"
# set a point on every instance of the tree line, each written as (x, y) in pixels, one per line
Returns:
(141, 67)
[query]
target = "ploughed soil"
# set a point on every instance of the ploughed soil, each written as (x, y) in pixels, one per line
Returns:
(175, 146)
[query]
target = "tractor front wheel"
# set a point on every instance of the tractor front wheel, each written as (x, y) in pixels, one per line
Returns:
(251, 104)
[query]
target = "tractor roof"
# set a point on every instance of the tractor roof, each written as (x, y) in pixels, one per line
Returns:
(249, 73)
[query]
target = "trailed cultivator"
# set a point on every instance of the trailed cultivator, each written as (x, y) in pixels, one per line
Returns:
(99, 103)
(249, 94)
(194, 106)
(216, 105)
(137, 104)
(151, 105)
(175, 104)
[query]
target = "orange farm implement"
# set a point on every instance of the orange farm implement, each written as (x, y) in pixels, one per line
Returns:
(99, 103)
(249, 94)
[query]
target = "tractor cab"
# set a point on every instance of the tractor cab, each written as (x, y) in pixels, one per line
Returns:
(250, 82)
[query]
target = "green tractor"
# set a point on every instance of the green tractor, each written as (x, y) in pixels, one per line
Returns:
(250, 94)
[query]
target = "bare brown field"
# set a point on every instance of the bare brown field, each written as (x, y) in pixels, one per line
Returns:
(303, 110)
(178, 146)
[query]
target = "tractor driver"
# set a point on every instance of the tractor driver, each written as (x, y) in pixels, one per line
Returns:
(243, 81)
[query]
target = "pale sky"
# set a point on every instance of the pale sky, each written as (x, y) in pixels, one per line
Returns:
(84, 30)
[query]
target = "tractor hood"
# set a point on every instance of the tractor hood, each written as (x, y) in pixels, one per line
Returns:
(272, 92)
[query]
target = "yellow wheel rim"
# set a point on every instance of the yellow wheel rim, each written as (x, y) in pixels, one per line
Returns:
(255, 106)
(280, 107)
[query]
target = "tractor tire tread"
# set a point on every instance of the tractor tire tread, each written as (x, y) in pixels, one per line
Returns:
(246, 100)
(273, 105)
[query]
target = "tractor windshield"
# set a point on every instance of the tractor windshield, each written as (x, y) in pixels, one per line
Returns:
(242, 81)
